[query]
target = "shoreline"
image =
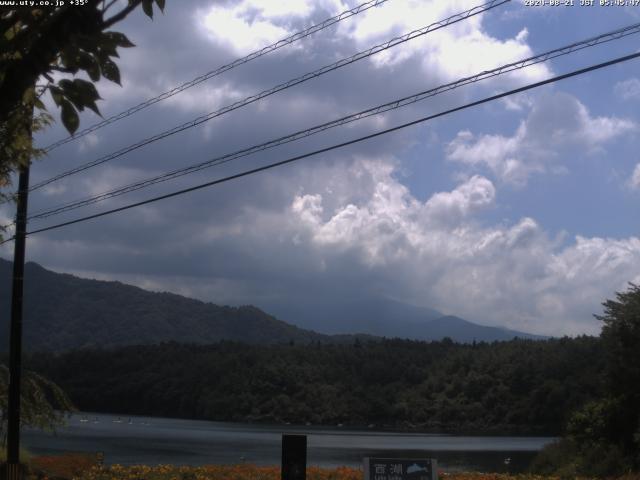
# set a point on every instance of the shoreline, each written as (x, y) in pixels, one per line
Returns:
(423, 429)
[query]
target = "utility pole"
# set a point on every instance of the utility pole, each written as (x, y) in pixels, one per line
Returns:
(13, 467)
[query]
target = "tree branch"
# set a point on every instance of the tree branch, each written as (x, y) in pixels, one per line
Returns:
(109, 5)
(60, 69)
(122, 14)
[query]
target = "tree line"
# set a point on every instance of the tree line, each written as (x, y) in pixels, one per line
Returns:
(520, 386)
(585, 388)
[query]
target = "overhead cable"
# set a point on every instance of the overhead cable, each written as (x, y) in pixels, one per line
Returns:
(340, 145)
(224, 68)
(283, 86)
(395, 104)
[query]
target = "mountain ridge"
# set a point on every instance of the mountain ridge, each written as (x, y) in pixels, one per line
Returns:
(64, 312)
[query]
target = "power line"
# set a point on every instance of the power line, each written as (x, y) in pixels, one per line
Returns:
(603, 38)
(224, 68)
(340, 145)
(283, 86)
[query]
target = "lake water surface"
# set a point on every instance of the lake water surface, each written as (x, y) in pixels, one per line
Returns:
(153, 440)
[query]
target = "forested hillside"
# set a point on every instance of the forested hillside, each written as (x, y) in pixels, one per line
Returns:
(518, 386)
(64, 312)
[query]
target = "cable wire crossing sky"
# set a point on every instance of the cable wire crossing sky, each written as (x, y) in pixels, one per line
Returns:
(520, 212)
(619, 33)
(341, 145)
(220, 70)
(283, 86)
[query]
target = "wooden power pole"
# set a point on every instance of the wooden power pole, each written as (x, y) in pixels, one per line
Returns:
(13, 471)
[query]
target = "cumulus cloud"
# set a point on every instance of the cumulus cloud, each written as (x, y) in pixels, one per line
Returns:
(461, 49)
(249, 25)
(555, 123)
(245, 27)
(350, 229)
(349, 224)
(437, 253)
(473, 195)
(458, 50)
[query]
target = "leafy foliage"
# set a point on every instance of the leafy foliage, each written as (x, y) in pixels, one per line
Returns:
(603, 436)
(621, 336)
(43, 404)
(65, 41)
(518, 386)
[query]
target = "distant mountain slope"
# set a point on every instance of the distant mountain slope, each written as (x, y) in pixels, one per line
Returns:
(388, 318)
(64, 312)
(465, 332)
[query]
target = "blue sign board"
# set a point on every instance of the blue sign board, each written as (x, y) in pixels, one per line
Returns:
(400, 469)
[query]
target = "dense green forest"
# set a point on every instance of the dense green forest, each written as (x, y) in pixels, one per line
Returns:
(521, 386)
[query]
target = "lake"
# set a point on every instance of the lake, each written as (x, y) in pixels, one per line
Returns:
(152, 440)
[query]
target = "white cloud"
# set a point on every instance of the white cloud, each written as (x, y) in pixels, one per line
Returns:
(475, 194)
(556, 122)
(230, 26)
(459, 50)
(249, 25)
(358, 227)
(497, 152)
(517, 103)
(513, 275)
(634, 181)
(379, 225)
(281, 8)
(628, 89)
(88, 143)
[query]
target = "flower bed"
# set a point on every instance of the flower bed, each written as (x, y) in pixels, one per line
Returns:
(84, 467)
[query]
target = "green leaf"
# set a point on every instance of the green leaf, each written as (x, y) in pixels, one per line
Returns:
(107, 48)
(66, 84)
(119, 39)
(89, 64)
(89, 43)
(29, 95)
(86, 89)
(56, 94)
(13, 30)
(160, 4)
(81, 93)
(69, 116)
(110, 70)
(39, 105)
(69, 59)
(70, 94)
(87, 94)
(147, 7)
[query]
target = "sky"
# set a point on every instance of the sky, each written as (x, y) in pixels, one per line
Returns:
(521, 212)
